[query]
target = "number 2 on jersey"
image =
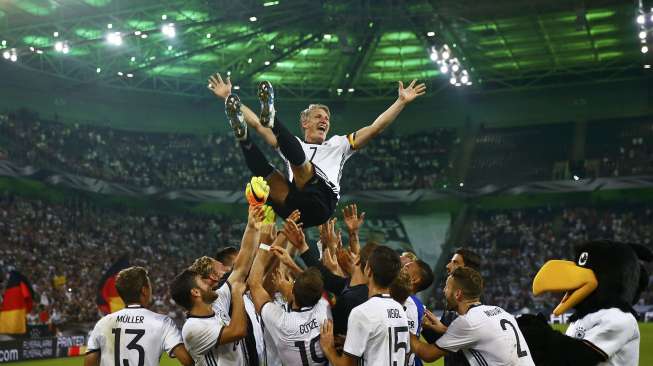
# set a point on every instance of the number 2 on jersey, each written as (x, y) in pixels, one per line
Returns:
(132, 345)
(520, 353)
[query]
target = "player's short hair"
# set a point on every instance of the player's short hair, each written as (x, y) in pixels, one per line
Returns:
(181, 286)
(129, 283)
(365, 253)
(470, 258)
(426, 277)
(308, 287)
(202, 266)
(227, 256)
(401, 287)
(469, 281)
(303, 115)
(385, 265)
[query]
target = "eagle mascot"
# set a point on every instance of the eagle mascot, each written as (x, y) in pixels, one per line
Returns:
(602, 284)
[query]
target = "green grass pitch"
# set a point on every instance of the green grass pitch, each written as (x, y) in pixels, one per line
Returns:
(645, 356)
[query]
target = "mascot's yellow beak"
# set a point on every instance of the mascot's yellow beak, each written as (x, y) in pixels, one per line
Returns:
(559, 276)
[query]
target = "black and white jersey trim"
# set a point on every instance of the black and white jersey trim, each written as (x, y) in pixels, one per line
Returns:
(478, 357)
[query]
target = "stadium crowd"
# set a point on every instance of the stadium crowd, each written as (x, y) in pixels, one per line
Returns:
(174, 161)
(80, 242)
(514, 244)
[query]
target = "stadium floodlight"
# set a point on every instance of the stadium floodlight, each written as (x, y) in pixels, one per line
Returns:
(228, 73)
(464, 79)
(576, 178)
(642, 35)
(444, 69)
(271, 46)
(4, 43)
(249, 60)
(98, 70)
(169, 30)
(6, 55)
(58, 46)
(164, 17)
(114, 38)
(271, 3)
(455, 67)
(430, 34)
(267, 63)
(351, 90)
(208, 35)
(647, 66)
(641, 19)
(130, 75)
(339, 90)
(453, 80)
(327, 36)
(143, 36)
(55, 34)
(462, 184)
(434, 55)
(120, 73)
(446, 54)
(253, 19)
(66, 48)
(169, 47)
(13, 57)
(644, 49)
(237, 87)
(109, 26)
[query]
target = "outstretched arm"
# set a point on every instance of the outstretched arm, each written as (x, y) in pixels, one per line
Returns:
(426, 352)
(222, 89)
(248, 244)
(406, 95)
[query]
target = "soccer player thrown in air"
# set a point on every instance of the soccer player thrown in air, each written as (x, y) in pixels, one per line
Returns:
(314, 162)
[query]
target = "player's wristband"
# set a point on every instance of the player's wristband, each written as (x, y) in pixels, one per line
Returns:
(264, 247)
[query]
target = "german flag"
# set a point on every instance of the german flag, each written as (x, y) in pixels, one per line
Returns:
(108, 300)
(17, 303)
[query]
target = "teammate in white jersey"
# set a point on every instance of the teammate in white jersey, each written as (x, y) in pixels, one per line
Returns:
(296, 332)
(217, 320)
(487, 335)
(134, 335)
(314, 163)
(377, 330)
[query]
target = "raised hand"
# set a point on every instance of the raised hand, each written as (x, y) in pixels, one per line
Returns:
(347, 260)
(295, 235)
(283, 256)
(255, 217)
(328, 235)
(268, 233)
(326, 335)
(220, 88)
(409, 94)
(353, 221)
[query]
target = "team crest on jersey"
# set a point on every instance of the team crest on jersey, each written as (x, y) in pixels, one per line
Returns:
(580, 332)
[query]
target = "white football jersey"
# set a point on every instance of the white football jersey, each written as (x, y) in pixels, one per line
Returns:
(328, 159)
(487, 335)
(271, 352)
(201, 335)
(296, 333)
(377, 332)
(134, 335)
(612, 331)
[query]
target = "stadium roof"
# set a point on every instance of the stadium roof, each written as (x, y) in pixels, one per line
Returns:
(333, 49)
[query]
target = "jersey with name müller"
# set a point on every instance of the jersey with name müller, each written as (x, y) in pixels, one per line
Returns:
(328, 158)
(134, 335)
(296, 333)
(201, 335)
(487, 335)
(615, 333)
(377, 332)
